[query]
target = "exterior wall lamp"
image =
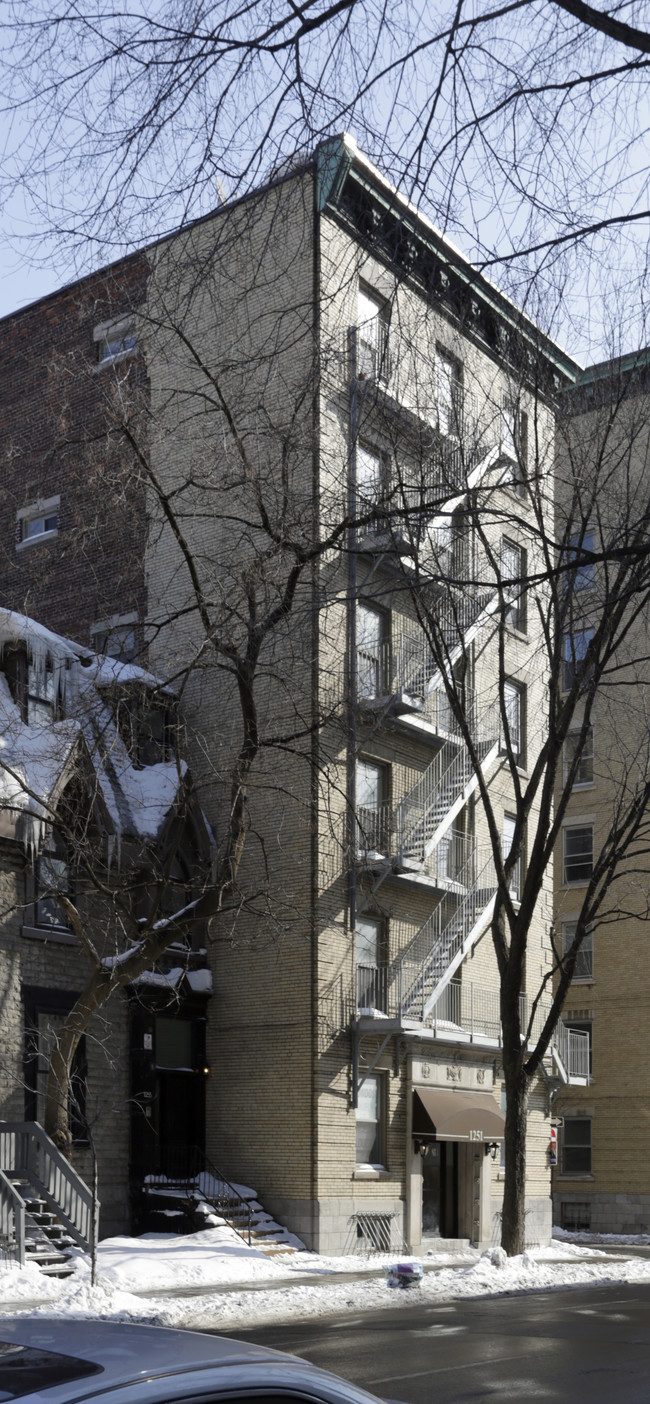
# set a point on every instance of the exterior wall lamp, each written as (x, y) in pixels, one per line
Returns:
(491, 1148)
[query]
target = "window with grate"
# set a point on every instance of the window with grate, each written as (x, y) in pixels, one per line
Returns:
(575, 1215)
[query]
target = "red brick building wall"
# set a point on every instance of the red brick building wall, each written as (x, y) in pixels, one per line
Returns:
(59, 437)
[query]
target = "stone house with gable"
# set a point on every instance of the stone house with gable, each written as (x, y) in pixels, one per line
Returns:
(93, 796)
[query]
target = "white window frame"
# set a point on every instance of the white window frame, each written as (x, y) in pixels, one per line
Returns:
(581, 577)
(110, 626)
(116, 330)
(507, 835)
(449, 394)
(40, 510)
(514, 693)
(587, 755)
(515, 616)
(379, 1081)
(372, 335)
(585, 957)
(573, 827)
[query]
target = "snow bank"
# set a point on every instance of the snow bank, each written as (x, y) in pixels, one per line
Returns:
(214, 1257)
(218, 1257)
(566, 1237)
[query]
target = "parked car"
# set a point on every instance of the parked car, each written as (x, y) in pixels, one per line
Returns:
(65, 1362)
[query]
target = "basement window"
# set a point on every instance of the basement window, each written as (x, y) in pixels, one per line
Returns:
(575, 1215)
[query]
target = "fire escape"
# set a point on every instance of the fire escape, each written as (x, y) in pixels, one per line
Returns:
(415, 840)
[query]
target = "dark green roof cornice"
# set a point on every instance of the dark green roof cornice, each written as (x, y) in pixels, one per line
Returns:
(350, 187)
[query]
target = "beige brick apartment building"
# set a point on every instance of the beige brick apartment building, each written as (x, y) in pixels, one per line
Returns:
(602, 1180)
(321, 376)
(354, 1033)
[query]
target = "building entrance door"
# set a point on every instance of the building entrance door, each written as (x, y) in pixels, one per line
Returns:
(440, 1190)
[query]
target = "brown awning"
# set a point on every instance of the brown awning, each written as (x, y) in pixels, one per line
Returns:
(456, 1115)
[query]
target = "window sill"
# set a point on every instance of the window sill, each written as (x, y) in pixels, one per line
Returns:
(47, 933)
(114, 360)
(370, 1172)
(575, 1175)
(583, 785)
(36, 540)
(521, 635)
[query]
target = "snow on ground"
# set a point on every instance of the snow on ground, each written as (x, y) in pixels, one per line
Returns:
(260, 1289)
(611, 1239)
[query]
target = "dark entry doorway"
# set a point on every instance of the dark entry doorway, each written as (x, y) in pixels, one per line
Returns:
(440, 1190)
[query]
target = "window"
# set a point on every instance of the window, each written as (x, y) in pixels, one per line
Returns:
(576, 1145)
(370, 477)
(449, 394)
(372, 661)
(40, 694)
(52, 876)
(513, 567)
(372, 810)
(371, 1123)
(581, 577)
(513, 706)
(115, 340)
(372, 349)
(174, 1047)
(146, 725)
(371, 968)
(45, 1015)
(584, 966)
(514, 442)
(575, 1215)
(509, 823)
(578, 852)
(575, 652)
(37, 522)
(117, 637)
(583, 1026)
(585, 769)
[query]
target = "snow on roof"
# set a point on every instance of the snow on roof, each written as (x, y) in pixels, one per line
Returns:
(37, 760)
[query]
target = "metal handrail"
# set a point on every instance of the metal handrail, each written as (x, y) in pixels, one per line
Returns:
(12, 1221)
(437, 944)
(188, 1168)
(441, 784)
(27, 1151)
(572, 1047)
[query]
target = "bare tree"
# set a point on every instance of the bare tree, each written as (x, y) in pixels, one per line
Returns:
(127, 122)
(501, 541)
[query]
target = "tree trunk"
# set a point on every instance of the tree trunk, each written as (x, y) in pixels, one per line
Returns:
(513, 1228)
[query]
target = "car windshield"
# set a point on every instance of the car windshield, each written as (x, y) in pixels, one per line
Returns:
(27, 1369)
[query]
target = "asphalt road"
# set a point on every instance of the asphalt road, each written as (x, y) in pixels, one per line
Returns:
(586, 1346)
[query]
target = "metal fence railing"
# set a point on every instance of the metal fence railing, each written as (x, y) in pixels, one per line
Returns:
(12, 1222)
(26, 1152)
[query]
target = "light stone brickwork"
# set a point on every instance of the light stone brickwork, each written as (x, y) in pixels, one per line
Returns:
(613, 1195)
(267, 294)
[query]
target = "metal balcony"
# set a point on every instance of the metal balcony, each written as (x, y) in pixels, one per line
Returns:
(465, 1012)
